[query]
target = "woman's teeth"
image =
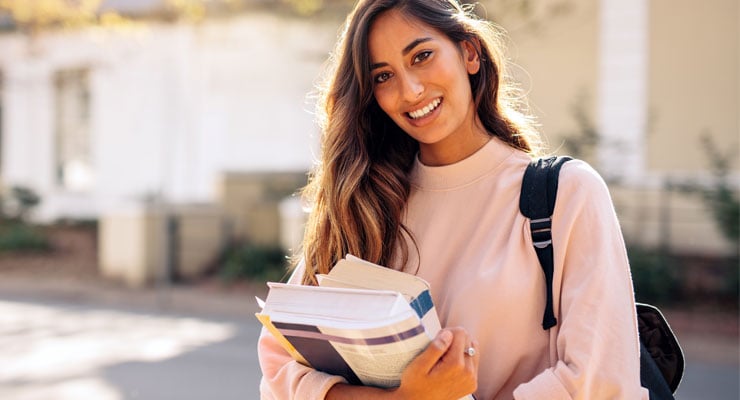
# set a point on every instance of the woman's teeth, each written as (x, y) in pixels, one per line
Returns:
(426, 110)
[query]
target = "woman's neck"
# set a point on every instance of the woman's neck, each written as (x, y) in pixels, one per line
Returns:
(454, 148)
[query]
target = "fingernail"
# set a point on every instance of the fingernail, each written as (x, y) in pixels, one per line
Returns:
(445, 337)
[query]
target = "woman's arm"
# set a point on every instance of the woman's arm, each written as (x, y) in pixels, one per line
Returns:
(283, 378)
(596, 349)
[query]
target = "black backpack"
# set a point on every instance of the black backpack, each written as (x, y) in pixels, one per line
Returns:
(661, 357)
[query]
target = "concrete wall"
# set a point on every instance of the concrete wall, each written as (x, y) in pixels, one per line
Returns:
(694, 82)
(133, 247)
(252, 203)
(155, 244)
(556, 60)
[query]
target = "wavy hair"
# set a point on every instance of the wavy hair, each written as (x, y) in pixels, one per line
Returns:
(358, 191)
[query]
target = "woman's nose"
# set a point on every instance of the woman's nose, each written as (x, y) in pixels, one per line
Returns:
(412, 88)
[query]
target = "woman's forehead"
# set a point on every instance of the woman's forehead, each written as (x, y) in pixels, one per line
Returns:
(393, 30)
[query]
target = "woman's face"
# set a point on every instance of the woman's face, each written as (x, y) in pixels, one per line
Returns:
(420, 79)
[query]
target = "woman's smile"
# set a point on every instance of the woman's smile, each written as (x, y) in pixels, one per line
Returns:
(423, 112)
(426, 114)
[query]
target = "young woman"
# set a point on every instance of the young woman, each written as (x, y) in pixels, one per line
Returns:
(423, 155)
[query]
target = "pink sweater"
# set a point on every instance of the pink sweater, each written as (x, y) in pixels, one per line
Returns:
(476, 253)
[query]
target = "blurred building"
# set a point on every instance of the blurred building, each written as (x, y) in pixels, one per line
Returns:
(103, 120)
(649, 79)
(95, 120)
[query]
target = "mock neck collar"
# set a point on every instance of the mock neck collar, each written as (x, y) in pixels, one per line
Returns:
(463, 172)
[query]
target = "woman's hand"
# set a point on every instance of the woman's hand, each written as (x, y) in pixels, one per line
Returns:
(443, 371)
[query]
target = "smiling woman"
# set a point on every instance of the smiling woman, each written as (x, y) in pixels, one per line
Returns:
(424, 147)
(421, 82)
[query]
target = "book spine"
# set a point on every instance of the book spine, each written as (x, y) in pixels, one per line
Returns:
(315, 347)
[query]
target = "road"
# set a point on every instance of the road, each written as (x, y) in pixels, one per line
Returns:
(69, 349)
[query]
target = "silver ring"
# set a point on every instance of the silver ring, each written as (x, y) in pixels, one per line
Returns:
(470, 351)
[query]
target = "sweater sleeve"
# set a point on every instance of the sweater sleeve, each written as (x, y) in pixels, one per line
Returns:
(596, 349)
(284, 378)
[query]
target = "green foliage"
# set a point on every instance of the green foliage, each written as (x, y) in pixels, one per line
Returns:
(665, 278)
(720, 198)
(17, 203)
(306, 7)
(732, 283)
(654, 275)
(21, 237)
(262, 263)
(16, 234)
(25, 199)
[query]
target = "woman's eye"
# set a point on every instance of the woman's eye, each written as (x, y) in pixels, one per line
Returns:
(422, 56)
(382, 77)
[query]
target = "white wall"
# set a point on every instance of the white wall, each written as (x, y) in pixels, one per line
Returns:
(172, 106)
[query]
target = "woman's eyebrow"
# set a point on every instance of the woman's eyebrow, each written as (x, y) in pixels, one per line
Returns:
(410, 46)
(406, 50)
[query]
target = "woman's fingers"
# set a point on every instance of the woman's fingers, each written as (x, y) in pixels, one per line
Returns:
(425, 361)
(457, 365)
(441, 371)
(459, 344)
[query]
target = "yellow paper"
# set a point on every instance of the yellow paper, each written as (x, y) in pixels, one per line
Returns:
(265, 319)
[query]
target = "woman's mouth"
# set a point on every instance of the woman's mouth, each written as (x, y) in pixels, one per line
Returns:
(426, 110)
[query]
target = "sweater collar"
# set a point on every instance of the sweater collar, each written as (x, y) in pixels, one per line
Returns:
(463, 172)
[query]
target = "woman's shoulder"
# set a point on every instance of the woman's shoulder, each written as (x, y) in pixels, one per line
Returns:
(575, 174)
(578, 175)
(583, 187)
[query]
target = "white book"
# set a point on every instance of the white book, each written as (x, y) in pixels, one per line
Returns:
(354, 272)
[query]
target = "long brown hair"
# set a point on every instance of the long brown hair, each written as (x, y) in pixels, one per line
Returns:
(359, 190)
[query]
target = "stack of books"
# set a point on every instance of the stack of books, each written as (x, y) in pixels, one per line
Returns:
(363, 322)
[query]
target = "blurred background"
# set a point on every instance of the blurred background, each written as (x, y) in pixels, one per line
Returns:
(151, 152)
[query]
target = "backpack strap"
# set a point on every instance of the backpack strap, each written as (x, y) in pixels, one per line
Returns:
(537, 202)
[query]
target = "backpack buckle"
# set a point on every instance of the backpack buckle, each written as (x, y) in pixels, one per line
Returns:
(541, 232)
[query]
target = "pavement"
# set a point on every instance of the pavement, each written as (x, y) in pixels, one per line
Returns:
(71, 338)
(66, 339)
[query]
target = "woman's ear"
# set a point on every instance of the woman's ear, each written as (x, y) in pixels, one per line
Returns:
(471, 55)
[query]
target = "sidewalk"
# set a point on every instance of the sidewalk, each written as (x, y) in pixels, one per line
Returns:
(65, 340)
